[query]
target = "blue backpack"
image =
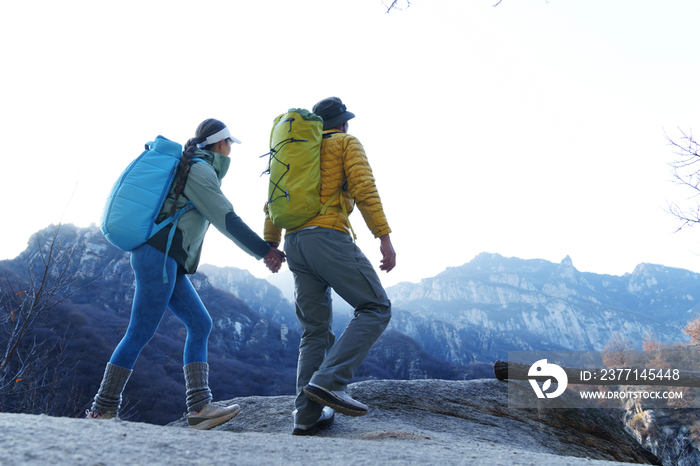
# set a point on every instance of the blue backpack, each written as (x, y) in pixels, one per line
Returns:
(136, 199)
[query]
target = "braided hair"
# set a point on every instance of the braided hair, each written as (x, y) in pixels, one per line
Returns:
(204, 130)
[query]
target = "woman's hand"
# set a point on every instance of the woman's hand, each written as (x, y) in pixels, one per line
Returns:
(274, 259)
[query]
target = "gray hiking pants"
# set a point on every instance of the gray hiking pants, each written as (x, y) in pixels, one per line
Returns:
(321, 259)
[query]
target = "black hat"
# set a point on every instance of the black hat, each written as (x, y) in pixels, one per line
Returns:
(333, 112)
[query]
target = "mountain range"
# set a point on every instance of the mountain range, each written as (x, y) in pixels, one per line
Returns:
(493, 304)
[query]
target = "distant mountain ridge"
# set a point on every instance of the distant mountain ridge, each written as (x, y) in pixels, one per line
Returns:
(493, 304)
(259, 294)
(479, 311)
(273, 296)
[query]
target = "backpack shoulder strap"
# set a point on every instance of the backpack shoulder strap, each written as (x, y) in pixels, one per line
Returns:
(327, 205)
(174, 219)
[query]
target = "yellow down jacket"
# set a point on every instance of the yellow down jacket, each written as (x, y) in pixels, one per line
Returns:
(342, 159)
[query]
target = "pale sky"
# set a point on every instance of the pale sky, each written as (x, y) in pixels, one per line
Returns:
(534, 129)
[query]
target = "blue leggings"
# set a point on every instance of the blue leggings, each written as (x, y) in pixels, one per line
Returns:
(151, 298)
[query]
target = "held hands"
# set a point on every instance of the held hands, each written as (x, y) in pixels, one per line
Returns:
(274, 259)
(388, 261)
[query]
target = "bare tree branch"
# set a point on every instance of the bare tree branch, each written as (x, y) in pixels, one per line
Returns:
(499, 2)
(395, 5)
(685, 171)
(30, 368)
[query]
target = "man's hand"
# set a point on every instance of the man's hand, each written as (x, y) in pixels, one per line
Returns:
(388, 261)
(274, 259)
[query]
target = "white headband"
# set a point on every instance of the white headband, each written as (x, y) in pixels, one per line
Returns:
(216, 137)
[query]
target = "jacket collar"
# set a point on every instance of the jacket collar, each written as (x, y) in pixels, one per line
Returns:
(330, 132)
(219, 162)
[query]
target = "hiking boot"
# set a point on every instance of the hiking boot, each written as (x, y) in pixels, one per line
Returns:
(103, 416)
(325, 421)
(212, 415)
(339, 400)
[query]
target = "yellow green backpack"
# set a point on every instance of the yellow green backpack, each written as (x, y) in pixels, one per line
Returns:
(294, 193)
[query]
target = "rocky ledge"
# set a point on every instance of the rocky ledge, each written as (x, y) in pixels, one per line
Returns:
(410, 422)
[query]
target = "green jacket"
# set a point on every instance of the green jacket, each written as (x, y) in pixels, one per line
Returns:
(203, 188)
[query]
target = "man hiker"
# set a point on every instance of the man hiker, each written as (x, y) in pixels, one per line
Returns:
(322, 255)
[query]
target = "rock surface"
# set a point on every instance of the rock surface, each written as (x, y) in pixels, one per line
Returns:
(667, 431)
(410, 422)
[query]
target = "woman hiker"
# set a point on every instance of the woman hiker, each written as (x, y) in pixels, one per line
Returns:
(199, 183)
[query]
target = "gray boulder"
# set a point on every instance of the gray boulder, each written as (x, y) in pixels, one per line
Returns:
(459, 415)
(410, 422)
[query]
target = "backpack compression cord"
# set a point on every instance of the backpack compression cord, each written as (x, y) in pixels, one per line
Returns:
(276, 185)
